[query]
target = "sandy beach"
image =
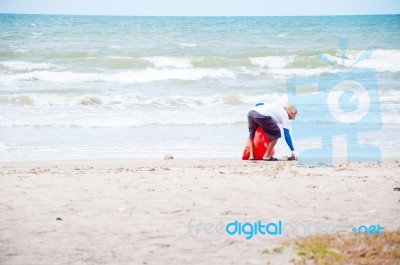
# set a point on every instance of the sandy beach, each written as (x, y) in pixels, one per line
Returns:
(155, 211)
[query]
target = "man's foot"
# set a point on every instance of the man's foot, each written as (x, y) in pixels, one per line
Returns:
(270, 159)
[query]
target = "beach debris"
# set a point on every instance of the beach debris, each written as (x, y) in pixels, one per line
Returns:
(288, 158)
(59, 219)
(168, 156)
(397, 189)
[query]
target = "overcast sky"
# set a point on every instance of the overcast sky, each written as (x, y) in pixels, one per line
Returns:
(201, 7)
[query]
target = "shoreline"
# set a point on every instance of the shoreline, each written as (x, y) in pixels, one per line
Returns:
(188, 160)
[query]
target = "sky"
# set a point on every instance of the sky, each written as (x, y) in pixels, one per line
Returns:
(201, 7)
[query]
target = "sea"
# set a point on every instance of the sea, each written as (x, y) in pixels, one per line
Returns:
(109, 87)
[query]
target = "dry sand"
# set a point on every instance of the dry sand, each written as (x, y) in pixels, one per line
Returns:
(138, 211)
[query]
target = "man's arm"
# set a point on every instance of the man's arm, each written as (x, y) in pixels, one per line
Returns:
(290, 144)
(288, 139)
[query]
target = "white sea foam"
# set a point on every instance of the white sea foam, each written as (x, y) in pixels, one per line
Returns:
(117, 57)
(163, 61)
(391, 119)
(26, 66)
(380, 60)
(167, 118)
(274, 62)
(20, 51)
(285, 72)
(104, 121)
(390, 96)
(121, 110)
(188, 44)
(129, 77)
(138, 99)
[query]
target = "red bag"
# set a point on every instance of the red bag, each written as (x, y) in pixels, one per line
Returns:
(260, 143)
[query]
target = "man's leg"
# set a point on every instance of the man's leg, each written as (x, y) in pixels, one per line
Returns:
(272, 130)
(252, 130)
(270, 147)
(250, 144)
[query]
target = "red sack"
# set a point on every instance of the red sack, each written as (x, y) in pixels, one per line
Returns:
(260, 143)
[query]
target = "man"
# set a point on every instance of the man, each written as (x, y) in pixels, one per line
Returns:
(268, 116)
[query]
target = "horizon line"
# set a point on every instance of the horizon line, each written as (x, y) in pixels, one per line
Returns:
(113, 15)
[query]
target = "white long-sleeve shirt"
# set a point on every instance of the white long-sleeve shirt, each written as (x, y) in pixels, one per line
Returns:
(276, 112)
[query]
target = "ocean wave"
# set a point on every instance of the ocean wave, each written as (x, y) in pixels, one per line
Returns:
(163, 61)
(272, 61)
(135, 110)
(138, 99)
(20, 51)
(188, 45)
(26, 66)
(129, 77)
(114, 57)
(102, 121)
(115, 62)
(380, 60)
(286, 72)
(294, 63)
(387, 119)
(388, 98)
(220, 61)
(118, 120)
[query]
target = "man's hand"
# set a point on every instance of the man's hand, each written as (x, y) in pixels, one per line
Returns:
(293, 156)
